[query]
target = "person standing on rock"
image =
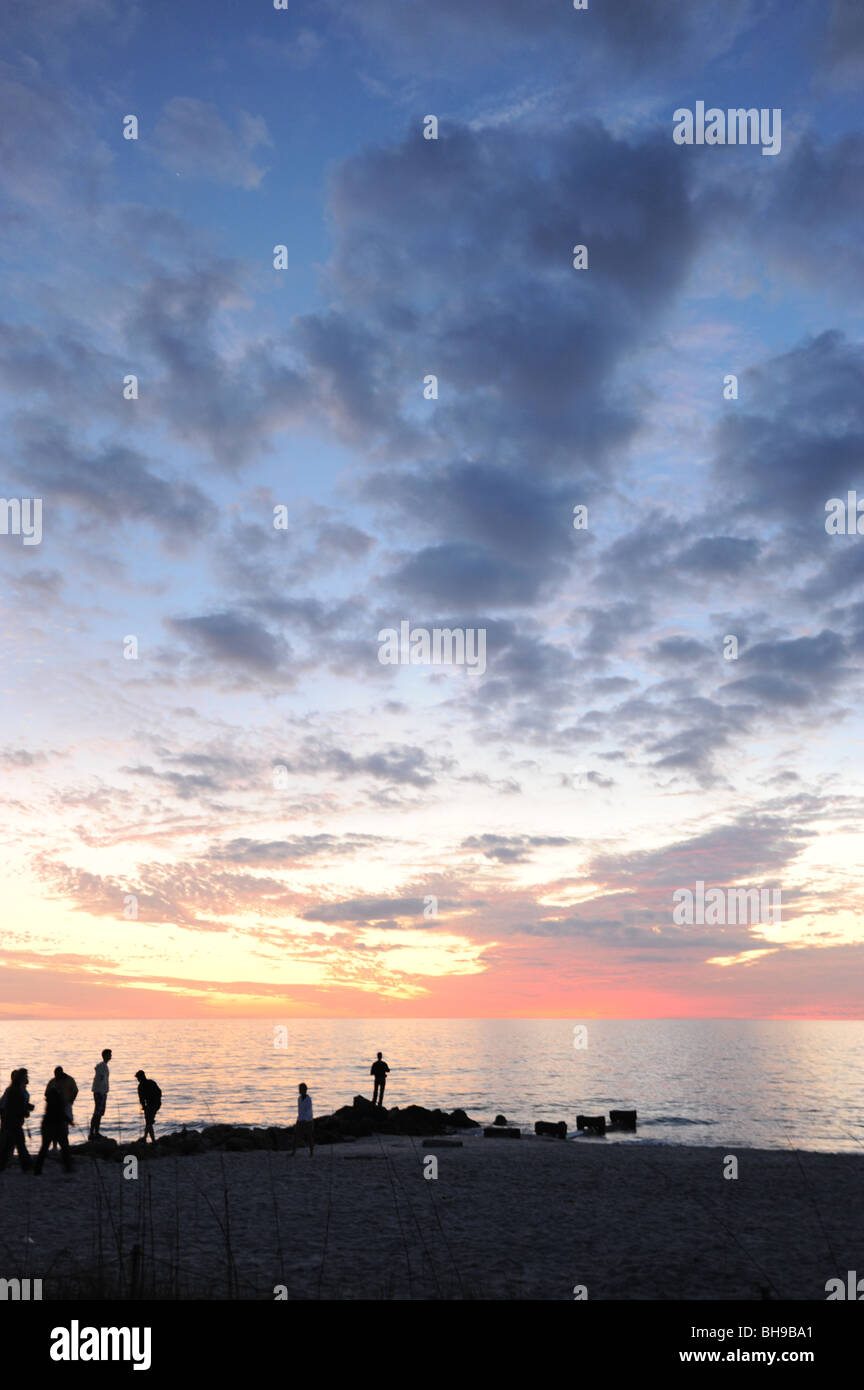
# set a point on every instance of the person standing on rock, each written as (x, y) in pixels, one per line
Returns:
(379, 1070)
(305, 1126)
(100, 1092)
(150, 1096)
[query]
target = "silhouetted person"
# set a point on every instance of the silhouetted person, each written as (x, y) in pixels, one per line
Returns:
(379, 1070)
(14, 1108)
(305, 1127)
(150, 1097)
(100, 1092)
(55, 1127)
(68, 1090)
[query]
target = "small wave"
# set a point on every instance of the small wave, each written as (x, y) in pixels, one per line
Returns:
(673, 1120)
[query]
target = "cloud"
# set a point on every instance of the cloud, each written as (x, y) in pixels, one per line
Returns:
(110, 481)
(285, 853)
(514, 849)
(399, 764)
(192, 139)
(628, 35)
(798, 671)
(842, 58)
(232, 638)
(376, 910)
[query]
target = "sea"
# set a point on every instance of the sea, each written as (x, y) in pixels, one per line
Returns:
(724, 1082)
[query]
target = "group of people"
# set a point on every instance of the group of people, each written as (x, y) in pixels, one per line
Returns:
(304, 1129)
(60, 1094)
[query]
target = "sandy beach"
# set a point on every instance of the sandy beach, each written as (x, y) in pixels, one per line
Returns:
(524, 1219)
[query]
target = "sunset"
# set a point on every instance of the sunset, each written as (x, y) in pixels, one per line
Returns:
(433, 626)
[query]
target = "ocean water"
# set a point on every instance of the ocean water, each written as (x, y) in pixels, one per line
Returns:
(727, 1081)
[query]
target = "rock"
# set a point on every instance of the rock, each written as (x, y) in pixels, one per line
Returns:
(101, 1147)
(241, 1141)
(184, 1141)
(500, 1120)
(278, 1138)
(591, 1124)
(353, 1120)
(214, 1136)
(622, 1119)
(459, 1120)
(349, 1123)
(502, 1132)
(555, 1131)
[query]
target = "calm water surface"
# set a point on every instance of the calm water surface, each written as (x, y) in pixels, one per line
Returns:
(692, 1082)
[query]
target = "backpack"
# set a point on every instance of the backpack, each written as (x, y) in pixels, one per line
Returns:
(155, 1096)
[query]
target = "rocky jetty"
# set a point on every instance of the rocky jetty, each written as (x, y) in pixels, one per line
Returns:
(357, 1121)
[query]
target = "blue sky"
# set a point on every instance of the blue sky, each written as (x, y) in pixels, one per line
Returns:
(609, 754)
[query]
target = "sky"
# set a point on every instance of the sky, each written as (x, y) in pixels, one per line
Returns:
(216, 799)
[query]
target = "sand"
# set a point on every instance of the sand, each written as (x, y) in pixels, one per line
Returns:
(523, 1219)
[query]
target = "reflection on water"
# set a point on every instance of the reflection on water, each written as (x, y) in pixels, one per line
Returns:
(692, 1081)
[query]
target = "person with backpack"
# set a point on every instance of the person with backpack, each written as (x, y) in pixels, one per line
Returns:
(150, 1097)
(67, 1089)
(55, 1126)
